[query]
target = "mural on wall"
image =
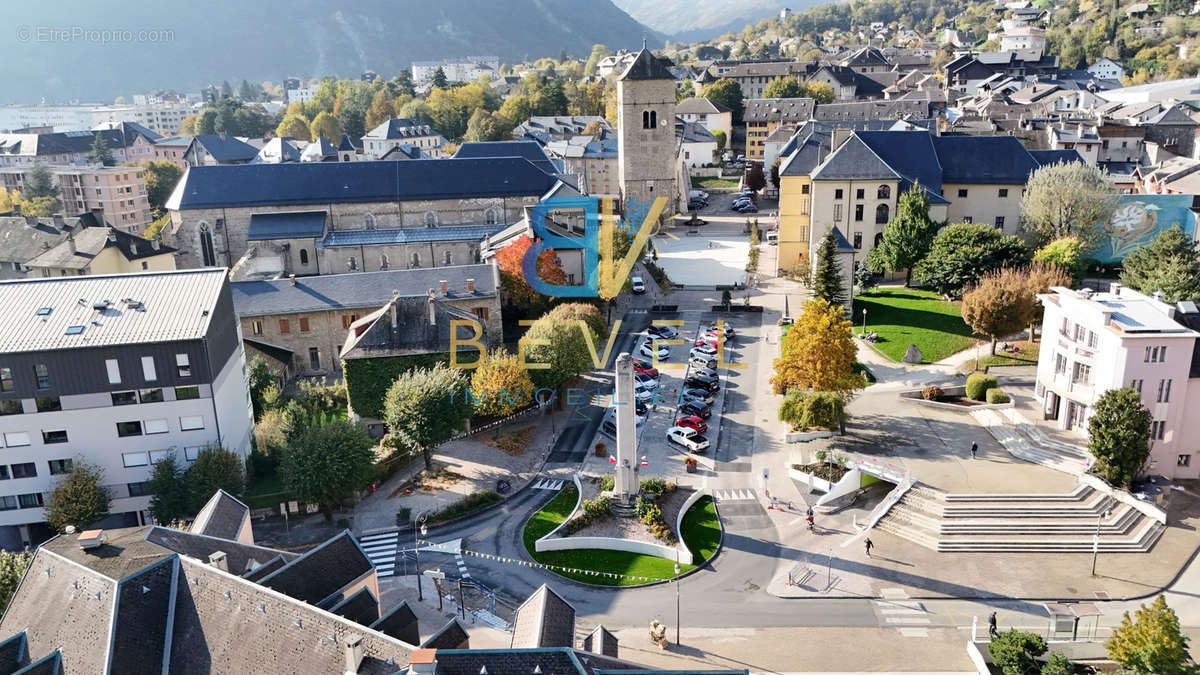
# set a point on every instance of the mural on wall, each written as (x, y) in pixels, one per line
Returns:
(1138, 219)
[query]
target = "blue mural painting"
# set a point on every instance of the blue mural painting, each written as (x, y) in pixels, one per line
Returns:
(1139, 218)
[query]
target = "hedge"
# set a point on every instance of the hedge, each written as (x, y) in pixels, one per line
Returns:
(996, 395)
(978, 384)
(367, 380)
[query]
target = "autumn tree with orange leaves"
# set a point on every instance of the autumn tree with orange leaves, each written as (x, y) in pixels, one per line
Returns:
(818, 353)
(512, 279)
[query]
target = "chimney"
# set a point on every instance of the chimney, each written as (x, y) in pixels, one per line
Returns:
(31, 221)
(133, 247)
(1115, 288)
(217, 560)
(292, 279)
(839, 136)
(432, 309)
(154, 244)
(112, 235)
(392, 307)
(354, 653)
(59, 222)
(442, 287)
(90, 539)
(71, 242)
(423, 662)
(470, 285)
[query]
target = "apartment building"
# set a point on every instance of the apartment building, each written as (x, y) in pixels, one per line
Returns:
(1094, 342)
(128, 142)
(465, 69)
(116, 193)
(764, 115)
(401, 131)
(117, 371)
(163, 117)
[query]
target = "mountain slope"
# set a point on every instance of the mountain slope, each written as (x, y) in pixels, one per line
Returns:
(271, 39)
(689, 20)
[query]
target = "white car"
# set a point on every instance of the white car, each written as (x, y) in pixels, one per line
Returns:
(701, 369)
(638, 285)
(647, 349)
(662, 331)
(706, 350)
(688, 438)
(703, 361)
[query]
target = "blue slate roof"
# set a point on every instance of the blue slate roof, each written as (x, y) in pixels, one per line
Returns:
(530, 150)
(250, 185)
(408, 235)
(854, 160)
(286, 225)
(909, 153)
(983, 159)
(400, 127)
(226, 148)
(1044, 157)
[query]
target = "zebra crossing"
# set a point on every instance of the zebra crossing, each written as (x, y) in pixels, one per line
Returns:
(381, 550)
(732, 495)
(897, 611)
(548, 484)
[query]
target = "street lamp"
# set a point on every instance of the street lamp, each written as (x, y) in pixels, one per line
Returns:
(1096, 539)
(864, 333)
(417, 556)
(676, 603)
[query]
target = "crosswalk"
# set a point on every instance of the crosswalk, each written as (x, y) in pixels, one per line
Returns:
(381, 549)
(548, 484)
(732, 495)
(897, 611)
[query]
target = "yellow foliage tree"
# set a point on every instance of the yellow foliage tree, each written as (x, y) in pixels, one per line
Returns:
(6, 201)
(326, 125)
(383, 108)
(293, 126)
(818, 352)
(500, 386)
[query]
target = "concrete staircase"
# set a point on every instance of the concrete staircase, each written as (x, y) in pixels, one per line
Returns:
(1024, 440)
(1035, 523)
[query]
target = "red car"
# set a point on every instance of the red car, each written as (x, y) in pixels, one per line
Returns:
(641, 366)
(706, 339)
(692, 422)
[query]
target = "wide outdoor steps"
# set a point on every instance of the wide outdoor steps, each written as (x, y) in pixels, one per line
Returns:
(1024, 440)
(1045, 523)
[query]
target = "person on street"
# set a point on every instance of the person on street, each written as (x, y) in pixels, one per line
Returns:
(870, 545)
(992, 632)
(974, 449)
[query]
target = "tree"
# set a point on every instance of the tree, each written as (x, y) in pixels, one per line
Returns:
(1119, 436)
(207, 124)
(80, 498)
(754, 177)
(260, 378)
(1171, 264)
(6, 200)
(821, 92)
(188, 125)
(39, 182)
(907, 238)
(1016, 652)
(515, 110)
(996, 306)
(1068, 199)
(1065, 253)
(818, 352)
(226, 90)
(557, 351)
(425, 406)
(170, 499)
(439, 78)
(500, 385)
(1151, 642)
(782, 87)
(12, 569)
(101, 153)
(293, 126)
(327, 126)
(161, 177)
(598, 52)
(725, 92)
(864, 278)
(721, 140)
(214, 468)
(551, 99)
(1057, 664)
(827, 277)
(962, 253)
(512, 278)
(483, 126)
(325, 463)
(1039, 277)
(383, 108)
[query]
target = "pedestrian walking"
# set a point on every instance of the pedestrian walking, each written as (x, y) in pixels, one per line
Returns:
(992, 632)
(870, 546)
(974, 449)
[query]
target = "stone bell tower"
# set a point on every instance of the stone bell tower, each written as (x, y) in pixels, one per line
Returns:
(646, 145)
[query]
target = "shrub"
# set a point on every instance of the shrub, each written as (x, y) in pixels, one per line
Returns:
(594, 508)
(404, 515)
(821, 455)
(641, 505)
(978, 384)
(996, 395)
(473, 502)
(807, 409)
(656, 486)
(607, 483)
(932, 393)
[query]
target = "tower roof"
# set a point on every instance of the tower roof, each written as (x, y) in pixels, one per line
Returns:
(646, 66)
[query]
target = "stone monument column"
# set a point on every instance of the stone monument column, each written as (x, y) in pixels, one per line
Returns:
(625, 483)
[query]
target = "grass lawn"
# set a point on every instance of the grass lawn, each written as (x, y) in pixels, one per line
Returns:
(903, 316)
(1028, 357)
(701, 530)
(266, 493)
(713, 182)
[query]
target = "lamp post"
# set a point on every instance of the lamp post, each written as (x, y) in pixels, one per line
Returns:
(417, 556)
(864, 333)
(676, 603)
(1096, 539)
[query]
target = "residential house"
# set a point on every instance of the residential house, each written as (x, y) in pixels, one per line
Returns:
(276, 151)
(753, 77)
(615, 64)
(849, 84)
(116, 194)
(1079, 137)
(867, 60)
(172, 149)
(321, 150)
(710, 115)
(119, 371)
(1108, 69)
(764, 115)
(218, 149)
(964, 73)
(1023, 38)
(1096, 342)
(306, 318)
(697, 146)
(900, 109)
(589, 161)
(101, 251)
(128, 142)
(401, 131)
(1174, 130)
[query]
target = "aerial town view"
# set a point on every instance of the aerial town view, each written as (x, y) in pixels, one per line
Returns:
(600, 337)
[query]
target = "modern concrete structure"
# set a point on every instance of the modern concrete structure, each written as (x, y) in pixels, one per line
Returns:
(115, 193)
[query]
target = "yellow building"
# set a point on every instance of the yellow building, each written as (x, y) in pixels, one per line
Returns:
(764, 115)
(102, 250)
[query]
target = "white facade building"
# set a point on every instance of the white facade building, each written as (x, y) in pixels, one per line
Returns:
(1107, 69)
(466, 69)
(162, 118)
(1094, 342)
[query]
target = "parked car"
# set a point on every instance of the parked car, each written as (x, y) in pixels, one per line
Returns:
(747, 208)
(644, 380)
(643, 366)
(638, 285)
(647, 349)
(688, 438)
(697, 194)
(739, 201)
(705, 339)
(692, 422)
(698, 381)
(704, 350)
(702, 361)
(703, 370)
(695, 409)
(663, 332)
(701, 395)
(729, 331)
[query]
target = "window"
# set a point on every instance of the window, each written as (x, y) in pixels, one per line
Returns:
(860, 194)
(1164, 391)
(858, 240)
(858, 212)
(1082, 374)
(838, 193)
(1158, 429)
(881, 214)
(11, 406)
(999, 222)
(489, 216)
(150, 395)
(48, 403)
(125, 429)
(447, 259)
(804, 189)
(884, 192)
(370, 221)
(256, 327)
(348, 319)
(4, 472)
(191, 423)
(285, 326)
(352, 264)
(186, 393)
(1184, 460)
(804, 205)
(1003, 192)
(24, 470)
(139, 489)
(303, 256)
(384, 263)
(481, 312)
(1136, 385)
(134, 459)
(962, 193)
(59, 466)
(6, 380)
(9, 502)
(16, 439)
(159, 455)
(208, 254)
(30, 501)
(837, 213)
(415, 261)
(649, 119)
(158, 426)
(183, 365)
(431, 219)
(148, 371)
(304, 324)
(42, 375)
(114, 371)
(54, 436)
(191, 452)
(314, 358)
(124, 397)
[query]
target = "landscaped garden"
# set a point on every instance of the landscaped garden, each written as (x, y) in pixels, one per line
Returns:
(1022, 353)
(904, 316)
